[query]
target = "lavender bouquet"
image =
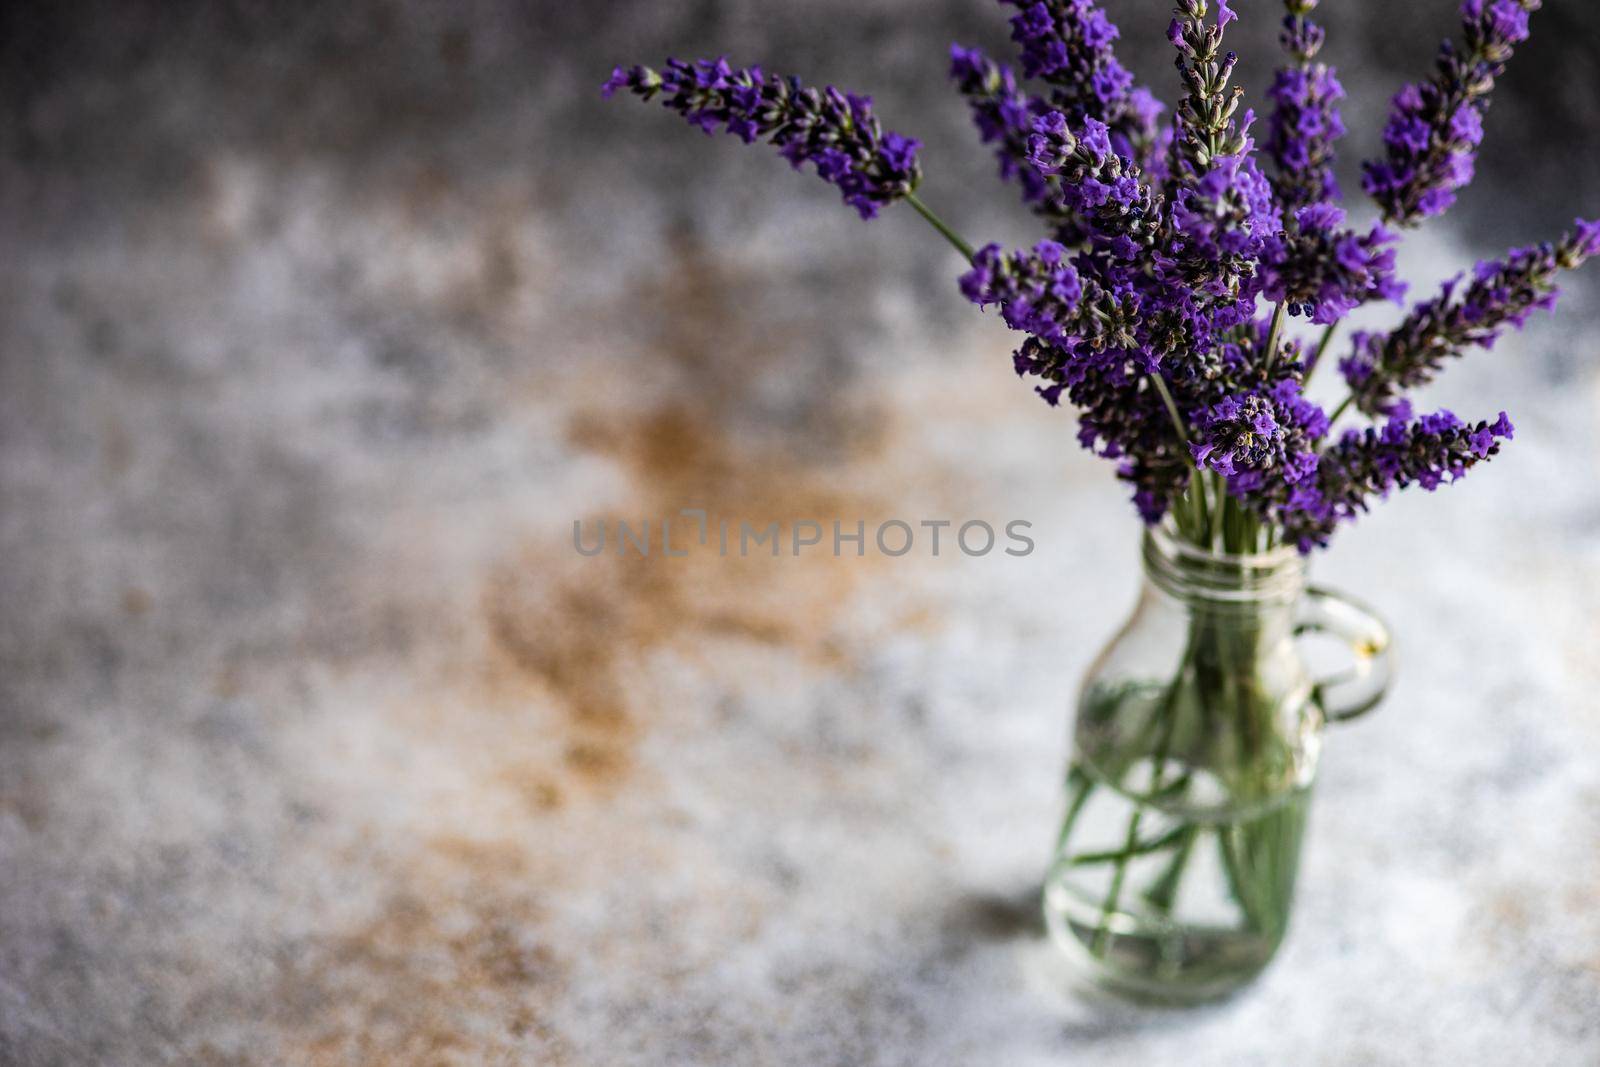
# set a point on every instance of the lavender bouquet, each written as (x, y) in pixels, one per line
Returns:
(1177, 254)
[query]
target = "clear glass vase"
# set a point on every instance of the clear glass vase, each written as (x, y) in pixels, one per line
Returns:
(1194, 753)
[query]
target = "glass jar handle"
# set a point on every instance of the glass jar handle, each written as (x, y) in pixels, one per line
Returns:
(1358, 688)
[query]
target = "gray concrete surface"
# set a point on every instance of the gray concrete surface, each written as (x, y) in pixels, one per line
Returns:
(320, 745)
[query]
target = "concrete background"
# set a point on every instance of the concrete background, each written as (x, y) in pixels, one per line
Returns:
(319, 326)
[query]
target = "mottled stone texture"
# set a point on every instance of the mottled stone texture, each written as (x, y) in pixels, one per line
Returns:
(320, 745)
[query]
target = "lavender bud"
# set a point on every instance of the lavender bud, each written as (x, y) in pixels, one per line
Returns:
(1068, 45)
(835, 132)
(1502, 295)
(1005, 116)
(1305, 120)
(1320, 270)
(1371, 463)
(1435, 127)
(1037, 291)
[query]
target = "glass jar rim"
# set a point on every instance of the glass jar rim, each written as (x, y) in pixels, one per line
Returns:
(1184, 569)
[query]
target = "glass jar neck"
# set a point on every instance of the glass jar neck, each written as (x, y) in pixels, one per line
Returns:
(1206, 581)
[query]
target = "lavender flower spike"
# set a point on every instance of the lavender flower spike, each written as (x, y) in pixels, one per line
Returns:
(1431, 141)
(1244, 436)
(1224, 224)
(1068, 44)
(1206, 114)
(834, 131)
(1237, 434)
(1004, 115)
(1317, 268)
(1305, 118)
(1502, 295)
(1119, 213)
(1037, 291)
(1372, 462)
(1121, 417)
(1325, 271)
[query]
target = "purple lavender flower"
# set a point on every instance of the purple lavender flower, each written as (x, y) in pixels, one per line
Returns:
(1223, 213)
(1171, 281)
(1119, 214)
(1371, 463)
(1189, 270)
(1068, 45)
(1502, 294)
(1305, 120)
(1222, 223)
(1005, 115)
(835, 132)
(1228, 213)
(1239, 433)
(1247, 436)
(1037, 291)
(1435, 127)
(1319, 269)
(1120, 417)
(1144, 310)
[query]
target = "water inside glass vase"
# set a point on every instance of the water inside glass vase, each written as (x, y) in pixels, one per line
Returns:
(1193, 757)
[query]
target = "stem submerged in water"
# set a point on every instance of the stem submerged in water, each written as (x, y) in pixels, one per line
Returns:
(1168, 721)
(1201, 754)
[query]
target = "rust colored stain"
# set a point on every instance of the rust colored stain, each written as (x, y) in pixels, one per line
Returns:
(450, 969)
(581, 627)
(24, 799)
(135, 601)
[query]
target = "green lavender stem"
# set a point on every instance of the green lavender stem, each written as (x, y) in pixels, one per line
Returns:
(1082, 785)
(1273, 330)
(1158, 772)
(1137, 848)
(1321, 349)
(939, 224)
(1164, 890)
(1340, 410)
